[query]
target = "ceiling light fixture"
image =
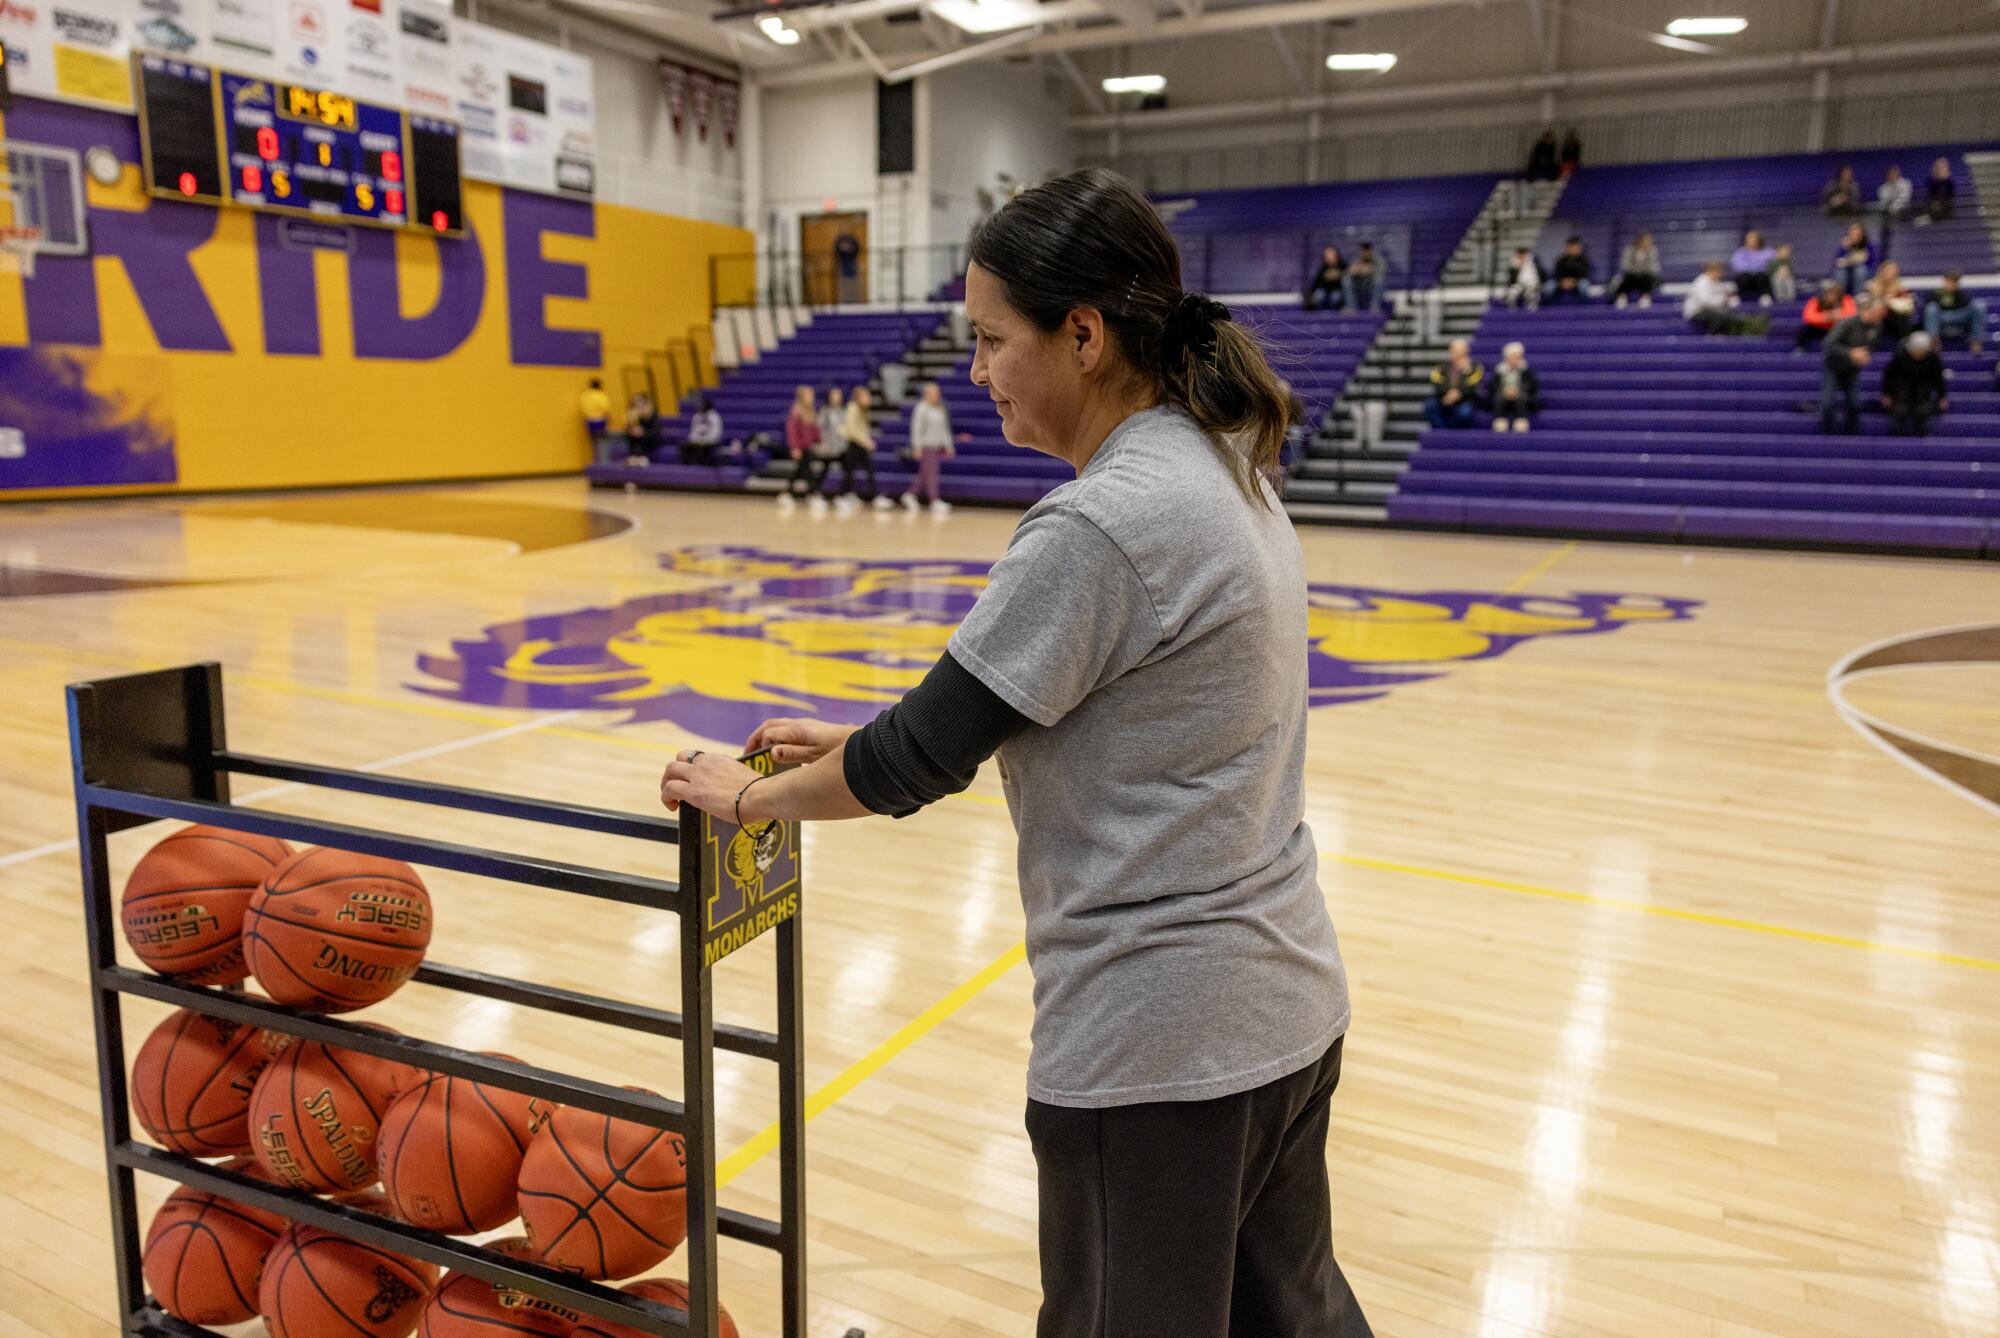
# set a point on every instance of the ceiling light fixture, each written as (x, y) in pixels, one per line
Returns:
(987, 16)
(1710, 27)
(1136, 83)
(773, 27)
(1375, 63)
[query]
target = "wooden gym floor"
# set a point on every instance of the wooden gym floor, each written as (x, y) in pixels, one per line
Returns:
(1677, 1002)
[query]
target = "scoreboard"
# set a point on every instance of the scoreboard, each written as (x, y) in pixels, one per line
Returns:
(227, 138)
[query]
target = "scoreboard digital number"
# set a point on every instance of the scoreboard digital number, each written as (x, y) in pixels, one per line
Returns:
(229, 138)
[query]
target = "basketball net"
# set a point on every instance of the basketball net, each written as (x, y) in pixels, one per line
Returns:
(18, 243)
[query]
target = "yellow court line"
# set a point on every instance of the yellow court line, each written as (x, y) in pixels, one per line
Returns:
(1521, 582)
(856, 1073)
(1667, 912)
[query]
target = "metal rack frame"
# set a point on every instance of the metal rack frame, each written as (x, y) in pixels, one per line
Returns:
(153, 746)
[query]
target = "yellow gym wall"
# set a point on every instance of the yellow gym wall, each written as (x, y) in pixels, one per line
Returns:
(281, 395)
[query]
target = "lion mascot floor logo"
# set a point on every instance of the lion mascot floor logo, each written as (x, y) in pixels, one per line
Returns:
(751, 633)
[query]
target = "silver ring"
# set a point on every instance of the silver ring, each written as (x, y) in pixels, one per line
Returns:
(691, 755)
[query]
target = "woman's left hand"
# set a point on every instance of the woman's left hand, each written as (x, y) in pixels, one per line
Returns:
(709, 781)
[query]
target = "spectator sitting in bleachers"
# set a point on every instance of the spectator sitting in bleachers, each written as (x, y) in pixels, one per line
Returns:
(1364, 279)
(1953, 313)
(1826, 309)
(1572, 274)
(1842, 195)
(1542, 158)
(1454, 384)
(1892, 197)
(802, 440)
(1571, 156)
(1526, 288)
(704, 434)
(1638, 272)
(1709, 301)
(1752, 266)
(1515, 389)
(1899, 304)
(1854, 259)
(1784, 278)
(1913, 388)
(1940, 193)
(1327, 290)
(1845, 353)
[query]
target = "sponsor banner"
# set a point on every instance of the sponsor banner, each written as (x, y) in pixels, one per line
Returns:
(309, 41)
(423, 32)
(478, 79)
(244, 35)
(368, 52)
(528, 109)
(27, 31)
(92, 39)
(175, 27)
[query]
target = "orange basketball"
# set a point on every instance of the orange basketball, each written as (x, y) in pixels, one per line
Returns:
(316, 1115)
(205, 1253)
(451, 1153)
(183, 904)
(192, 1080)
(667, 1291)
(467, 1307)
(317, 1284)
(602, 1197)
(333, 931)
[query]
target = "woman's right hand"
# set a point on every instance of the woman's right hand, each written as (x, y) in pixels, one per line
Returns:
(794, 740)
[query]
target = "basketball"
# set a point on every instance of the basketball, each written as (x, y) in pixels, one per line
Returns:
(467, 1307)
(316, 1115)
(452, 1150)
(317, 1285)
(667, 1291)
(192, 1082)
(333, 931)
(183, 905)
(602, 1197)
(205, 1254)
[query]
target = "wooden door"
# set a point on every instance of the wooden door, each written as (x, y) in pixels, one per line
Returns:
(827, 280)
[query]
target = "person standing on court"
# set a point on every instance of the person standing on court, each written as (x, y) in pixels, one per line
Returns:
(832, 442)
(857, 435)
(801, 436)
(1138, 661)
(595, 406)
(930, 442)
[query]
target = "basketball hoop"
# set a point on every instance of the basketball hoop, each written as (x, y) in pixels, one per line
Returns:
(18, 244)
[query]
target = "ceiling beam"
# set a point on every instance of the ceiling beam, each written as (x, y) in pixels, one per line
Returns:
(1234, 20)
(1283, 46)
(1093, 97)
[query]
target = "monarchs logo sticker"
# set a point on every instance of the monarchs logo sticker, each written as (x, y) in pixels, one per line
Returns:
(745, 633)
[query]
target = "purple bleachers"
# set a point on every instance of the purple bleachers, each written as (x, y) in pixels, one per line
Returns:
(1649, 430)
(1698, 212)
(1268, 240)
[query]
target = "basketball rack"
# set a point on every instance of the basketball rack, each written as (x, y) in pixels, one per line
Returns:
(152, 746)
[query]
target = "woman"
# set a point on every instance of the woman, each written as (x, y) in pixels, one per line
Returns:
(1327, 289)
(1515, 388)
(1899, 304)
(703, 436)
(857, 456)
(1854, 259)
(832, 441)
(1752, 265)
(1138, 658)
(801, 437)
(930, 442)
(1638, 272)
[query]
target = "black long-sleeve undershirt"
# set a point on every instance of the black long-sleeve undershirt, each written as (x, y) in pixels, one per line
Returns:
(929, 744)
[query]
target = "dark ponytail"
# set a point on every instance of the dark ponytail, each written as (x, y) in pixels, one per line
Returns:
(1088, 238)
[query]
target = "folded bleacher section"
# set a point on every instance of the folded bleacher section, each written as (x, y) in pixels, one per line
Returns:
(1698, 212)
(1649, 430)
(1267, 240)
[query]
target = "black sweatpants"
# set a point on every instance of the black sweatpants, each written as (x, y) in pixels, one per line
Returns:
(1205, 1218)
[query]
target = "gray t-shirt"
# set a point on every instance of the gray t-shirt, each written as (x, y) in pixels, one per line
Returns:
(1151, 622)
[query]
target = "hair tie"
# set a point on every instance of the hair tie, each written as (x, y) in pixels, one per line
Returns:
(1191, 324)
